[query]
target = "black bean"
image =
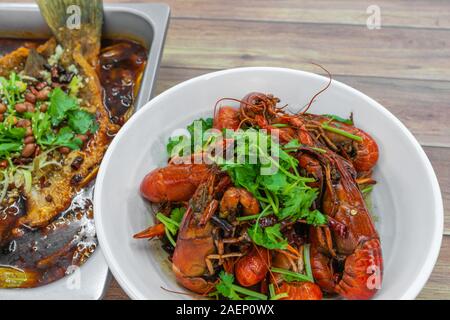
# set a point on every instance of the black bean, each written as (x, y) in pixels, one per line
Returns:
(76, 179)
(77, 162)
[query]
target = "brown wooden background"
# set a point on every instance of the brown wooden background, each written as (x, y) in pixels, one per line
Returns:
(405, 65)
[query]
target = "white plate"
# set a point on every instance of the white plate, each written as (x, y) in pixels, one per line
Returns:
(407, 199)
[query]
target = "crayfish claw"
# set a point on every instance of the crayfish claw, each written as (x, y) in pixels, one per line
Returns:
(362, 272)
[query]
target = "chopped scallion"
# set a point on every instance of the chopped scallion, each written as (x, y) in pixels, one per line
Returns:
(341, 132)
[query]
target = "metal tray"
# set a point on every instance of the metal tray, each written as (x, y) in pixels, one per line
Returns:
(145, 23)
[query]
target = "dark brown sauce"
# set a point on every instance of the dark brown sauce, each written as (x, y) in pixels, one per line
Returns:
(9, 45)
(121, 66)
(46, 254)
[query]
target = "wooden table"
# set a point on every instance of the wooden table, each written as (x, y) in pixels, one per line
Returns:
(405, 65)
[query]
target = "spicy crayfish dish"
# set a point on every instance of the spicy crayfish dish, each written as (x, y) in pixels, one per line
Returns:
(261, 203)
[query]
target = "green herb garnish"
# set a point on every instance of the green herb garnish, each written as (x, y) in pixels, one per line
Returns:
(341, 132)
(367, 190)
(228, 289)
(307, 261)
(291, 276)
(172, 223)
(339, 119)
(274, 296)
(269, 237)
(12, 90)
(184, 145)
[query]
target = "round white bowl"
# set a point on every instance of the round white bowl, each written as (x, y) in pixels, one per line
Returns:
(407, 199)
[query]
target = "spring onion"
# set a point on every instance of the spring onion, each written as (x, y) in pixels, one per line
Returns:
(341, 132)
(291, 275)
(274, 296)
(320, 150)
(339, 119)
(367, 190)
(248, 292)
(169, 236)
(307, 261)
(169, 224)
(280, 125)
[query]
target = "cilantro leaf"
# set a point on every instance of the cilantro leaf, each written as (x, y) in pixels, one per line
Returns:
(243, 175)
(60, 104)
(285, 190)
(294, 143)
(10, 147)
(269, 237)
(11, 139)
(274, 182)
(41, 125)
(228, 289)
(297, 201)
(203, 124)
(64, 138)
(316, 218)
(225, 286)
(11, 133)
(81, 121)
(12, 90)
(177, 214)
(177, 146)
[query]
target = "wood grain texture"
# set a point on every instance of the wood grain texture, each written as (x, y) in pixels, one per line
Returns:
(433, 14)
(344, 49)
(115, 292)
(401, 13)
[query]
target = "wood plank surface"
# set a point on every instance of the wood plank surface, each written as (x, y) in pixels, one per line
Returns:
(401, 13)
(343, 50)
